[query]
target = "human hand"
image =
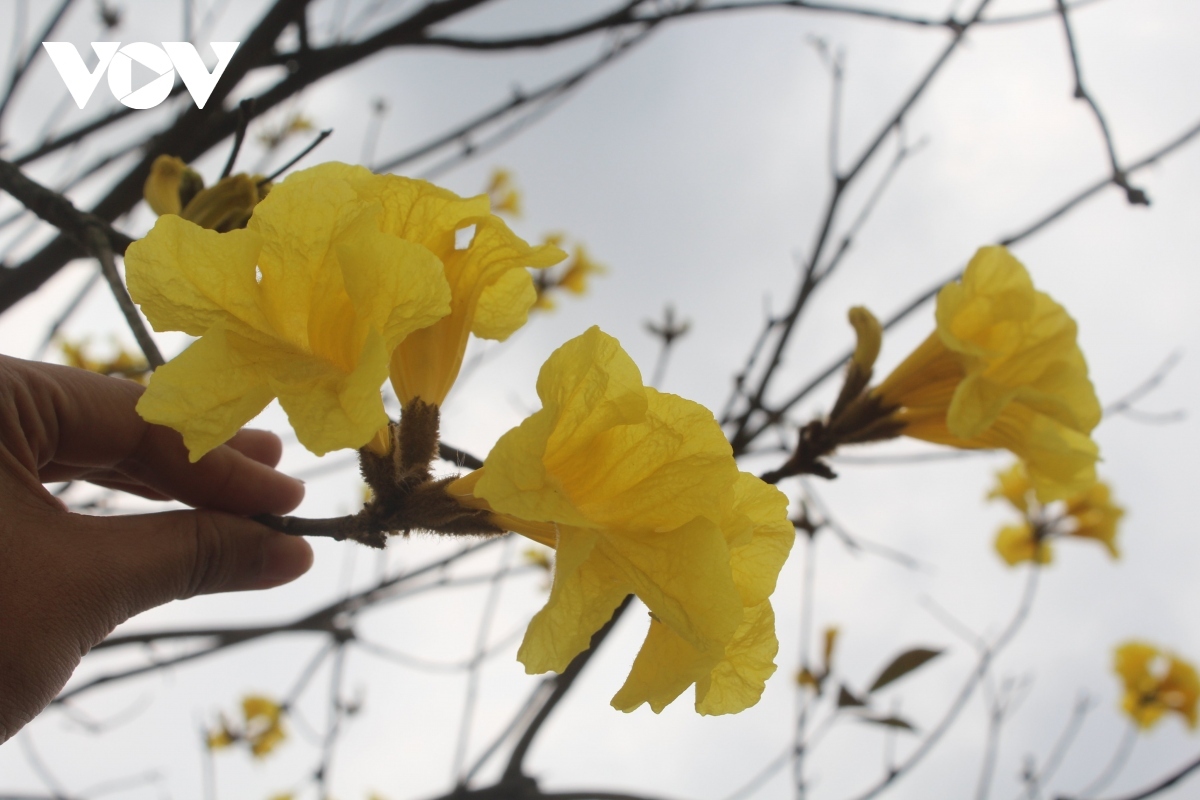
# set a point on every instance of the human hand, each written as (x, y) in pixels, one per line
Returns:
(66, 580)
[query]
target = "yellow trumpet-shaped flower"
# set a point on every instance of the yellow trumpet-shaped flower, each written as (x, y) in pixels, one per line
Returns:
(1002, 369)
(639, 494)
(307, 304)
(1090, 514)
(491, 291)
(1155, 683)
(175, 188)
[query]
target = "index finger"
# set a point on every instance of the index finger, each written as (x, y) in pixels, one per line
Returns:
(75, 418)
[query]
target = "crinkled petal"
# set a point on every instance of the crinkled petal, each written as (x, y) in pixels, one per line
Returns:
(665, 667)
(683, 576)
(585, 592)
(656, 475)
(514, 479)
(760, 536)
(330, 409)
(504, 306)
(395, 285)
(738, 680)
(186, 278)
(300, 221)
(210, 390)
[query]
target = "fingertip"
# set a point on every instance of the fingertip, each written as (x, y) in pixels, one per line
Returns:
(288, 493)
(262, 446)
(284, 559)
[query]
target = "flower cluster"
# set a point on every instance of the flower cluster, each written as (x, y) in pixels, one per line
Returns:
(1090, 514)
(1156, 683)
(341, 279)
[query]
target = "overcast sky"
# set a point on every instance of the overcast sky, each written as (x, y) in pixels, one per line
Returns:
(696, 168)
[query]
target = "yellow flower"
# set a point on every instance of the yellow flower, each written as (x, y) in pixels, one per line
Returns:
(1017, 543)
(503, 194)
(1091, 514)
(124, 363)
(1003, 369)
(491, 289)
(639, 494)
(220, 738)
(1013, 485)
(307, 304)
(264, 724)
(1096, 516)
(1155, 683)
(573, 278)
(172, 187)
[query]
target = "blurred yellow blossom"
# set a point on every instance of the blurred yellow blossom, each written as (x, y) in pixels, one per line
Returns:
(221, 738)
(1091, 514)
(503, 194)
(1155, 683)
(538, 557)
(296, 122)
(639, 494)
(573, 277)
(1017, 544)
(307, 304)
(1002, 369)
(172, 187)
(123, 363)
(264, 724)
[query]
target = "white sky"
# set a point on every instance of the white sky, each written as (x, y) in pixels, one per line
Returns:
(696, 169)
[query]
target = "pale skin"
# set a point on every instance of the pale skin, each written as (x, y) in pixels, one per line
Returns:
(66, 580)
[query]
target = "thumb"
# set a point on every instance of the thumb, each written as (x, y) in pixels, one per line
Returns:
(152, 559)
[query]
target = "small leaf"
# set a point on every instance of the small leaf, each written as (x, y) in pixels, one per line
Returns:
(903, 664)
(889, 721)
(847, 698)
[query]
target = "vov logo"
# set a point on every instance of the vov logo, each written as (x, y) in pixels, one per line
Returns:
(164, 61)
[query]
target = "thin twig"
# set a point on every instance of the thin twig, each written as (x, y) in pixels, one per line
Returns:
(514, 771)
(103, 251)
(1134, 195)
(1166, 783)
(1034, 780)
(773, 416)
(322, 136)
(960, 701)
(458, 770)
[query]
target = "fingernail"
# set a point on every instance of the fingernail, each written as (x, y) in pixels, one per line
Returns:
(285, 558)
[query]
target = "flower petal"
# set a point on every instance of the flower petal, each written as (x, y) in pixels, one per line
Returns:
(504, 306)
(585, 592)
(208, 391)
(395, 285)
(186, 278)
(738, 680)
(328, 408)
